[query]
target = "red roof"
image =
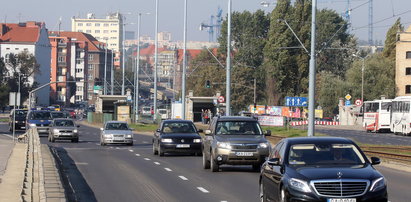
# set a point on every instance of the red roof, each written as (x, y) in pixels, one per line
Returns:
(22, 32)
(192, 53)
(149, 50)
(93, 43)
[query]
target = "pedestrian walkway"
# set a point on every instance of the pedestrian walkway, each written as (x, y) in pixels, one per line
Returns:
(6, 146)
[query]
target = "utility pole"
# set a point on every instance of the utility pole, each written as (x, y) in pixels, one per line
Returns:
(123, 54)
(255, 90)
(155, 62)
(112, 73)
(228, 66)
(105, 70)
(183, 80)
(311, 87)
(136, 84)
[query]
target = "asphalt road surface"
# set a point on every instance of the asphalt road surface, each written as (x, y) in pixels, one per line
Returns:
(132, 173)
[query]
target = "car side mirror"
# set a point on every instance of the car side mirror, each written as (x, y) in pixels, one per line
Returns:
(375, 161)
(101, 129)
(200, 130)
(274, 162)
(267, 133)
(207, 132)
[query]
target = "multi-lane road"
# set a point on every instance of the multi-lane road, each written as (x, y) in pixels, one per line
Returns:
(132, 173)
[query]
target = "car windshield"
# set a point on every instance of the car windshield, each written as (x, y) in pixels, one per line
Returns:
(238, 128)
(68, 123)
(39, 115)
(21, 113)
(116, 126)
(178, 127)
(324, 154)
(58, 115)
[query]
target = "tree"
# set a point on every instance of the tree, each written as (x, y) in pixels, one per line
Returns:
(391, 40)
(4, 88)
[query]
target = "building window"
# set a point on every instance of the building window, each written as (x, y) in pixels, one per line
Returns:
(61, 59)
(7, 58)
(90, 57)
(113, 24)
(96, 31)
(113, 31)
(90, 67)
(78, 70)
(16, 49)
(105, 25)
(408, 89)
(80, 24)
(80, 30)
(88, 31)
(79, 88)
(26, 49)
(408, 55)
(88, 24)
(105, 31)
(113, 44)
(59, 88)
(90, 77)
(113, 37)
(97, 24)
(408, 71)
(90, 87)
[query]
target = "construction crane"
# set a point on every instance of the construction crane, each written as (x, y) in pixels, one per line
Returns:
(213, 27)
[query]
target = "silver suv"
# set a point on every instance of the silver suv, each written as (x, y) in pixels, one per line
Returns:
(235, 140)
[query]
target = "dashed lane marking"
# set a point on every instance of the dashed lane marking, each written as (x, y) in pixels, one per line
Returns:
(147, 159)
(203, 190)
(130, 150)
(137, 154)
(183, 178)
(168, 169)
(157, 163)
(145, 142)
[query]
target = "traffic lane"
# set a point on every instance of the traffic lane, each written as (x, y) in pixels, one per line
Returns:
(4, 130)
(368, 138)
(398, 183)
(116, 174)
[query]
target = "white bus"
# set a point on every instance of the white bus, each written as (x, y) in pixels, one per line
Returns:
(377, 115)
(401, 115)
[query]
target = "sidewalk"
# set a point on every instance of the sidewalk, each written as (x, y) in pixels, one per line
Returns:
(6, 147)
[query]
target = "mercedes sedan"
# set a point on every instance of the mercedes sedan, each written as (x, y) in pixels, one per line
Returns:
(177, 136)
(321, 169)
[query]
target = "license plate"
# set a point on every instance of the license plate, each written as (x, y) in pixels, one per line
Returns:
(118, 138)
(183, 146)
(341, 200)
(244, 153)
(66, 134)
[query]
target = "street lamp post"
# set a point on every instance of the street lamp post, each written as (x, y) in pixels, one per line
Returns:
(228, 65)
(311, 87)
(183, 80)
(362, 74)
(155, 62)
(112, 73)
(123, 54)
(136, 80)
(105, 70)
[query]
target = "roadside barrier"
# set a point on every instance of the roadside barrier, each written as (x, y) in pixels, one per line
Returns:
(327, 123)
(42, 180)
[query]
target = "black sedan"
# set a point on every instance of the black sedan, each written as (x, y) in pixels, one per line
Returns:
(177, 136)
(321, 169)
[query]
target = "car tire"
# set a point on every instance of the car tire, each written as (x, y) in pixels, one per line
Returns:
(283, 195)
(213, 165)
(102, 144)
(256, 167)
(74, 140)
(263, 196)
(206, 163)
(52, 139)
(160, 152)
(155, 152)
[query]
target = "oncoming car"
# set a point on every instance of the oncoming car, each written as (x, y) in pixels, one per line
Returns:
(63, 129)
(321, 169)
(116, 132)
(40, 120)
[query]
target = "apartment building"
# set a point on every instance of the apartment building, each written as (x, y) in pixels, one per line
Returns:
(31, 37)
(403, 64)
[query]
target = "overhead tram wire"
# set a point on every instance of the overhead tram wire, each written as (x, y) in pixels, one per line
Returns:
(382, 20)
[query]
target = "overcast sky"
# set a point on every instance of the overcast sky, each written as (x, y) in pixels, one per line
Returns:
(171, 13)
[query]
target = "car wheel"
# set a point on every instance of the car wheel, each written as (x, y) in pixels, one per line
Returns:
(213, 164)
(256, 167)
(263, 197)
(160, 152)
(74, 140)
(283, 195)
(131, 144)
(206, 163)
(102, 143)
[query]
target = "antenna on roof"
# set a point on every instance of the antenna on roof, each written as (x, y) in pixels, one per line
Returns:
(59, 25)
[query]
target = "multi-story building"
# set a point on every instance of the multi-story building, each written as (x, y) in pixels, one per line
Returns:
(403, 64)
(108, 30)
(85, 59)
(33, 38)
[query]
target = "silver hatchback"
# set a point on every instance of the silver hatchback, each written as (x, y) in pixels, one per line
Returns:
(116, 132)
(63, 129)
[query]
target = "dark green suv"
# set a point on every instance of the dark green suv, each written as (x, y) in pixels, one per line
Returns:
(235, 140)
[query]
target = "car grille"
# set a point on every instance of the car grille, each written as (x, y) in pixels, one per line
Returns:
(341, 188)
(65, 131)
(244, 146)
(118, 135)
(42, 124)
(183, 141)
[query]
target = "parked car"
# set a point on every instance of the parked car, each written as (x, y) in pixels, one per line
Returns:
(40, 120)
(116, 132)
(164, 113)
(63, 129)
(234, 140)
(20, 121)
(177, 136)
(320, 169)
(146, 111)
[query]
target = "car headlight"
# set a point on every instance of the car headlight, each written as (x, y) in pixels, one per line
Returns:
(224, 145)
(55, 131)
(32, 125)
(107, 136)
(166, 140)
(17, 122)
(197, 140)
(299, 185)
(129, 136)
(75, 131)
(263, 145)
(378, 184)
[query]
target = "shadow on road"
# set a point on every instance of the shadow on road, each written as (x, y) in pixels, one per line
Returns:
(73, 181)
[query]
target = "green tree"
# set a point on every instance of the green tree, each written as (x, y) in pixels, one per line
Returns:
(391, 39)
(4, 88)
(330, 88)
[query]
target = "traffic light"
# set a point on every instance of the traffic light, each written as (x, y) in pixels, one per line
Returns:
(208, 84)
(255, 107)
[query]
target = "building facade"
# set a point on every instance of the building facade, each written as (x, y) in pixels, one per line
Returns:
(31, 37)
(403, 64)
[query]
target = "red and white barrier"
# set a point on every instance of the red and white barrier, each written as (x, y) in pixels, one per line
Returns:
(328, 123)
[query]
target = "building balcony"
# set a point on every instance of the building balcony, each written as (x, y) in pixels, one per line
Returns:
(62, 64)
(62, 44)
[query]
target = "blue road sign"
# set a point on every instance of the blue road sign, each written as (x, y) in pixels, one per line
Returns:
(347, 103)
(296, 102)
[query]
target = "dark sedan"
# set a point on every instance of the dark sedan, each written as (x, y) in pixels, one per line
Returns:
(176, 136)
(321, 169)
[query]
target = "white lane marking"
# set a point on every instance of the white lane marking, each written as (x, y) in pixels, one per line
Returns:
(81, 163)
(147, 159)
(157, 163)
(145, 142)
(97, 144)
(130, 150)
(182, 177)
(117, 147)
(168, 169)
(223, 201)
(137, 154)
(203, 190)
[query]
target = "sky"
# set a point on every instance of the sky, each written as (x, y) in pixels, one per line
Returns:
(199, 11)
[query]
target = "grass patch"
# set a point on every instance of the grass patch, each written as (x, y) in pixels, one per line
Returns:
(4, 120)
(288, 132)
(141, 127)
